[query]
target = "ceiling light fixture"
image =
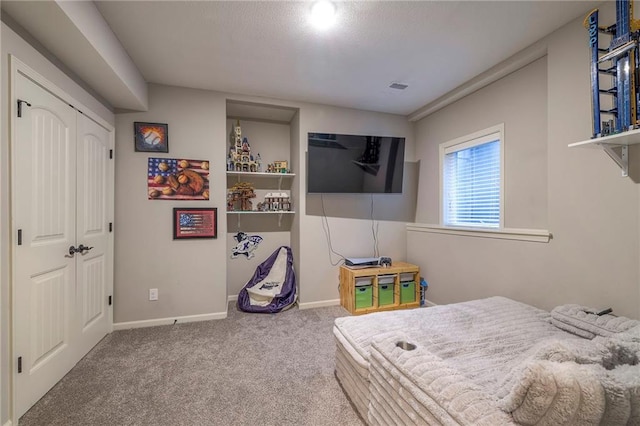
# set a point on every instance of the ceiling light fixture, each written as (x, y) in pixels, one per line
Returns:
(323, 14)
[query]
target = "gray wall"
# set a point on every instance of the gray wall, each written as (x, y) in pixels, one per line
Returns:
(348, 215)
(190, 275)
(295, 188)
(13, 44)
(577, 194)
(195, 277)
(518, 100)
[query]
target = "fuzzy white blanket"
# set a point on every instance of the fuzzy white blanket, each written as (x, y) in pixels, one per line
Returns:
(483, 339)
(478, 361)
(584, 322)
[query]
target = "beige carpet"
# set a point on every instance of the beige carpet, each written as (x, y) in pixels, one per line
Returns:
(248, 369)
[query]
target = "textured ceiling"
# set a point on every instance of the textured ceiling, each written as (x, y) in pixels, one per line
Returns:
(268, 48)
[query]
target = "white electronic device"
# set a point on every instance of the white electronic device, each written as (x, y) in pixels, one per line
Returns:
(362, 261)
(367, 261)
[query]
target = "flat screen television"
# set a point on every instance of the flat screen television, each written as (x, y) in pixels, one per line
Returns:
(354, 163)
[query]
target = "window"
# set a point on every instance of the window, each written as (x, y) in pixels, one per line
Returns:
(471, 170)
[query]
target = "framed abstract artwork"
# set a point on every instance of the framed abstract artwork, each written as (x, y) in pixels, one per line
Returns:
(151, 137)
(196, 222)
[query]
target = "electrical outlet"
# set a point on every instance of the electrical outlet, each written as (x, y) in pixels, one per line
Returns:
(153, 294)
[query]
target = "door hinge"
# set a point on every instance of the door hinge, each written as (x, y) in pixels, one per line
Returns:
(110, 226)
(20, 102)
(19, 237)
(110, 154)
(19, 364)
(110, 300)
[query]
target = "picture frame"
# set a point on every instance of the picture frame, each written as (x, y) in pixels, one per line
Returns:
(151, 137)
(195, 222)
(177, 179)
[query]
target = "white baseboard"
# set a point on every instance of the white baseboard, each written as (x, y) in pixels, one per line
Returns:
(8, 423)
(310, 305)
(168, 321)
(429, 303)
(321, 304)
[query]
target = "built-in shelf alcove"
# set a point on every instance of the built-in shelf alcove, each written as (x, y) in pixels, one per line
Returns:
(272, 132)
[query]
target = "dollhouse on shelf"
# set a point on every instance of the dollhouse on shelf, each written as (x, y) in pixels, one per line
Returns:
(275, 202)
(240, 158)
(278, 167)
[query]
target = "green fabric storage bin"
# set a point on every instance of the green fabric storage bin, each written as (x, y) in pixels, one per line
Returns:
(385, 294)
(364, 296)
(385, 289)
(407, 292)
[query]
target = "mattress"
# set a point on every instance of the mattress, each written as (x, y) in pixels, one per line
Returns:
(352, 358)
(482, 340)
(417, 388)
(354, 384)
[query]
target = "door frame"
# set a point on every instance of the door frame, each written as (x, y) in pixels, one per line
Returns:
(20, 68)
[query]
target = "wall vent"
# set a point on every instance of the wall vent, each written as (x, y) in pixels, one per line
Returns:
(399, 86)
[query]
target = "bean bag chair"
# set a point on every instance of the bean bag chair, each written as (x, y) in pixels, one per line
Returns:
(273, 285)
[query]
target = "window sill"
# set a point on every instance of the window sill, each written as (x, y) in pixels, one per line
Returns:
(532, 235)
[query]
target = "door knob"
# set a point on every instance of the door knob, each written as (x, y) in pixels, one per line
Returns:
(80, 249)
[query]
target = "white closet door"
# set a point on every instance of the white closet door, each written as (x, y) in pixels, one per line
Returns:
(92, 265)
(63, 186)
(44, 194)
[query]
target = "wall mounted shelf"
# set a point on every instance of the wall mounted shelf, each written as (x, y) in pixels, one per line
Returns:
(259, 212)
(259, 176)
(263, 174)
(609, 144)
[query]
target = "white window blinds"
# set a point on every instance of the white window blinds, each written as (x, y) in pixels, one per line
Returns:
(471, 178)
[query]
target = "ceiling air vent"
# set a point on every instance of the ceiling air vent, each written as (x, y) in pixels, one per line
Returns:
(399, 86)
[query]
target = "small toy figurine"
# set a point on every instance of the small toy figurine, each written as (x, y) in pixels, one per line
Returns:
(230, 201)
